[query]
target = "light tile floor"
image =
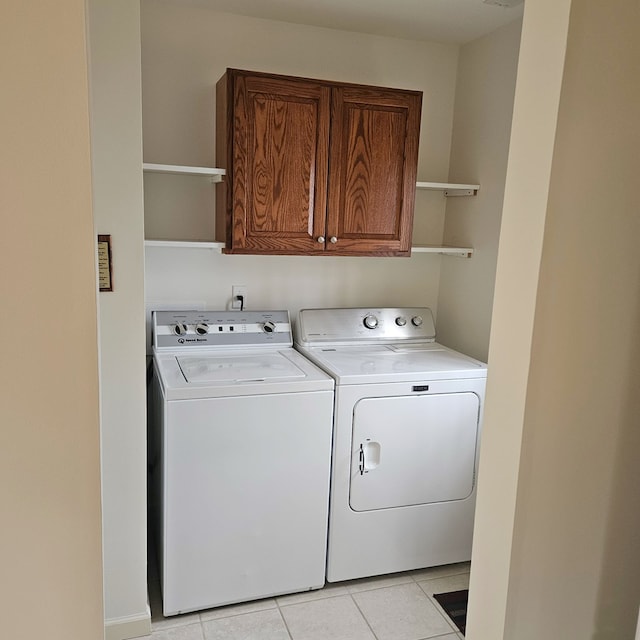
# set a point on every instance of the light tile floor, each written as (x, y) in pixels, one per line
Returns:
(395, 607)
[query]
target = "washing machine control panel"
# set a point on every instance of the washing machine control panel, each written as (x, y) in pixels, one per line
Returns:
(376, 324)
(193, 329)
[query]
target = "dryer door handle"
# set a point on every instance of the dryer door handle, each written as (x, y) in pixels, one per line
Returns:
(369, 457)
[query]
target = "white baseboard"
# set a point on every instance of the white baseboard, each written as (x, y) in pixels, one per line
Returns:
(129, 627)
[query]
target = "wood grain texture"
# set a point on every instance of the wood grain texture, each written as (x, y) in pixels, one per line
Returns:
(280, 140)
(308, 158)
(281, 192)
(223, 135)
(374, 154)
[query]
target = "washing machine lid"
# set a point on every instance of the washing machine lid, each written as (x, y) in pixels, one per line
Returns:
(242, 368)
(400, 362)
(234, 373)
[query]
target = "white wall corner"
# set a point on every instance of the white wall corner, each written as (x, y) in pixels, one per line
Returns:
(116, 140)
(128, 627)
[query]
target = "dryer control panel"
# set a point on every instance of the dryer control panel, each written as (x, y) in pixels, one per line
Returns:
(365, 325)
(193, 329)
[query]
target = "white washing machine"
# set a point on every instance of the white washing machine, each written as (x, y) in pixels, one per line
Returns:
(407, 422)
(240, 451)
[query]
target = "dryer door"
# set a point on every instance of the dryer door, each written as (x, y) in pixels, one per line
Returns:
(413, 450)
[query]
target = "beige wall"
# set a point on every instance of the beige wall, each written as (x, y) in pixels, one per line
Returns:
(50, 537)
(578, 507)
(481, 130)
(536, 101)
(564, 548)
(574, 410)
(185, 50)
(116, 129)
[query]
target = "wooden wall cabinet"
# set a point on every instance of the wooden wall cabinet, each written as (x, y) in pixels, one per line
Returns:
(314, 167)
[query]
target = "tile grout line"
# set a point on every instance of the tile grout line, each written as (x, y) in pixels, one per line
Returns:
(430, 599)
(364, 616)
(439, 609)
(442, 635)
(284, 620)
(413, 580)
(447, 575)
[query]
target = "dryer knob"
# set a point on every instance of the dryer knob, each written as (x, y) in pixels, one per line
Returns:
(202, 328)
(269, 327)
(416, 321)
(180, 329)
(371, 322)
(401, 321)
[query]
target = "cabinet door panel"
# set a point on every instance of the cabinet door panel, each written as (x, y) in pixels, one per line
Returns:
(279, 159)
(372, 172)
(374, 149)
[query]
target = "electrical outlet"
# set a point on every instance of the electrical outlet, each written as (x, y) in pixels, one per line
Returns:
(239, 291)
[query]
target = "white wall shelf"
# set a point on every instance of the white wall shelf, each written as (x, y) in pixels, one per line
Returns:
(185, 244)
(463, 252)
(214, 173)
(449, 188)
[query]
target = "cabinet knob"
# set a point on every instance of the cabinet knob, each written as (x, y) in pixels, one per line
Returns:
(321, 239)
(333, 239)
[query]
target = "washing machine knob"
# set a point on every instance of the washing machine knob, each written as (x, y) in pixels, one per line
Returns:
(269, 327)
(371, 322)
(401, 321)
(202, 328)
(180, 329)
(416, 321)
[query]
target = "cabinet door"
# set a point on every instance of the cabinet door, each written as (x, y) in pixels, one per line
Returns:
(373, 161)
(279, 158)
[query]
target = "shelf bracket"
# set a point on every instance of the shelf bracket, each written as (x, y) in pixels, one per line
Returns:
(450, 188)
(460, 192)
(456, 254)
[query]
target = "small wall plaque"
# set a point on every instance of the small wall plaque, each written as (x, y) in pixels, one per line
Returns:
(104, 263)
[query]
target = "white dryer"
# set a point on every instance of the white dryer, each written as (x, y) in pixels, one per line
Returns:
(407, 422)
(241, 448)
